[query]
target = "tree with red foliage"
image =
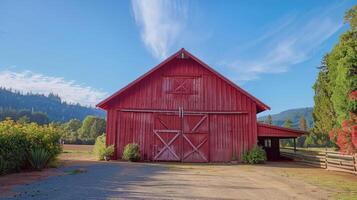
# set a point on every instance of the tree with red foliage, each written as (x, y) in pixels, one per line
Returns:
(346, 137)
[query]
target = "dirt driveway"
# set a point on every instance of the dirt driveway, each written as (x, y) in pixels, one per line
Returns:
(119, 180)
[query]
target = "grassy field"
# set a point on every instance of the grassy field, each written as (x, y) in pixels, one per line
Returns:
(77, 152)
(341, 185)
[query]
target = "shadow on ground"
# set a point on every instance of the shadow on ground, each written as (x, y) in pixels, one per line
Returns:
(120, 180)
(90, 181)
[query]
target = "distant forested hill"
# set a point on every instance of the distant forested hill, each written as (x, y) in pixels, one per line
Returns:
(294, 115)
(52, 105)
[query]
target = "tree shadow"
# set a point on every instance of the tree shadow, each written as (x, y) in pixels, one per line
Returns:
(107, 180)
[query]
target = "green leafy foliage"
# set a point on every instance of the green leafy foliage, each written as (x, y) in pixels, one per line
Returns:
(343, 74)
(23, 115)
(337, 79)
(255, 156)
(39, 158)
(131, 152)
(323, 114)
(101, 150)
(13, 146)
(351, 18)
(92, 127)
(17, 140)
(76, 132)
(108, 152)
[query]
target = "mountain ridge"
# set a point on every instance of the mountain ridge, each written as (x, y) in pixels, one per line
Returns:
(52, 105)
(294, 114)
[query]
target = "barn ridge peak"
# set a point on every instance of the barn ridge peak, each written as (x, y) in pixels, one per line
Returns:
(260, 105)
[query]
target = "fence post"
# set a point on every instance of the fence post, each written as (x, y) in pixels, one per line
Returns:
(326, 165)
(355, 161)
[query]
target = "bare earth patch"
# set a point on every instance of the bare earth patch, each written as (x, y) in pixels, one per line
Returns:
(80, 176)
(225, 182)
(7, 182)
(72, 155)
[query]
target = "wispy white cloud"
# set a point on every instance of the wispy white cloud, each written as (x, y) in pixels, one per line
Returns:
(69, 91)
(289, 42)
(160, 23)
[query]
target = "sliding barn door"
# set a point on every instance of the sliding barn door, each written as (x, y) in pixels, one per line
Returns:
(167, 137)
(195, 138)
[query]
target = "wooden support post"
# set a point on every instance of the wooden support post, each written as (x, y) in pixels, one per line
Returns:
(326, 163)
(295, 145)
(355, 161)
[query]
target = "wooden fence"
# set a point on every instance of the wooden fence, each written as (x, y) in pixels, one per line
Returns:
(330, 160)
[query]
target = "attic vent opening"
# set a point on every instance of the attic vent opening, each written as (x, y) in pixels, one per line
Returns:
(182, 56)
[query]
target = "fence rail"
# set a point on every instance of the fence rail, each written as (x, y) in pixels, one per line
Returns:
(330, 160)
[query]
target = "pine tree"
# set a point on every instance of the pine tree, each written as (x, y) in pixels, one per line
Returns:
(323, 113)
(336, 80)
(288, 123)
(302, 123)
(269, 120)
(302, 126)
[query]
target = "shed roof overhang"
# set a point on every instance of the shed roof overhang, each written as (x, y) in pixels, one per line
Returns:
(266, 130)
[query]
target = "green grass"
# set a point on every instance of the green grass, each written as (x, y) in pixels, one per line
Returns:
(341, 186)
(78, 151)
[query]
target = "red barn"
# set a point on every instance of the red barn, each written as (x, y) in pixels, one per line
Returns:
(183, 110)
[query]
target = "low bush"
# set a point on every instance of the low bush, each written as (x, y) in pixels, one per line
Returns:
(13, 148)
(108, 152)
(131, 152)
(17, 140)
(255, 155)
(39, 158)
(101, 150)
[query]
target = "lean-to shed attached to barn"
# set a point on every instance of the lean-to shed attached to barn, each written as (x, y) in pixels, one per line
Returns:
(183, 110)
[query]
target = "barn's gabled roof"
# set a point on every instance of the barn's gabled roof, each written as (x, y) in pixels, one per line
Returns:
(260, 105)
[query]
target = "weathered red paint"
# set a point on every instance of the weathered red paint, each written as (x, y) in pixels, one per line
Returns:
(266, 130)
(183, 110)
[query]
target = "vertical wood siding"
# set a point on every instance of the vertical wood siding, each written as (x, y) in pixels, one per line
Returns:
(184, 83)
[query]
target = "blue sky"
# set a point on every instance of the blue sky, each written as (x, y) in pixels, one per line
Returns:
(86, 50)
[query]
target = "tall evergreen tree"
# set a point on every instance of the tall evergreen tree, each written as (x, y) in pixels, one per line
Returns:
(287, 142)
(336, 80)
(269, 120)
(303, 127)
(342, 63)
(288, 123)
(302, 124)
(323, 113)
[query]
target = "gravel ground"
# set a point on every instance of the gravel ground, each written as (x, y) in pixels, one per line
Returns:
(119, 180)
(97, 181)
